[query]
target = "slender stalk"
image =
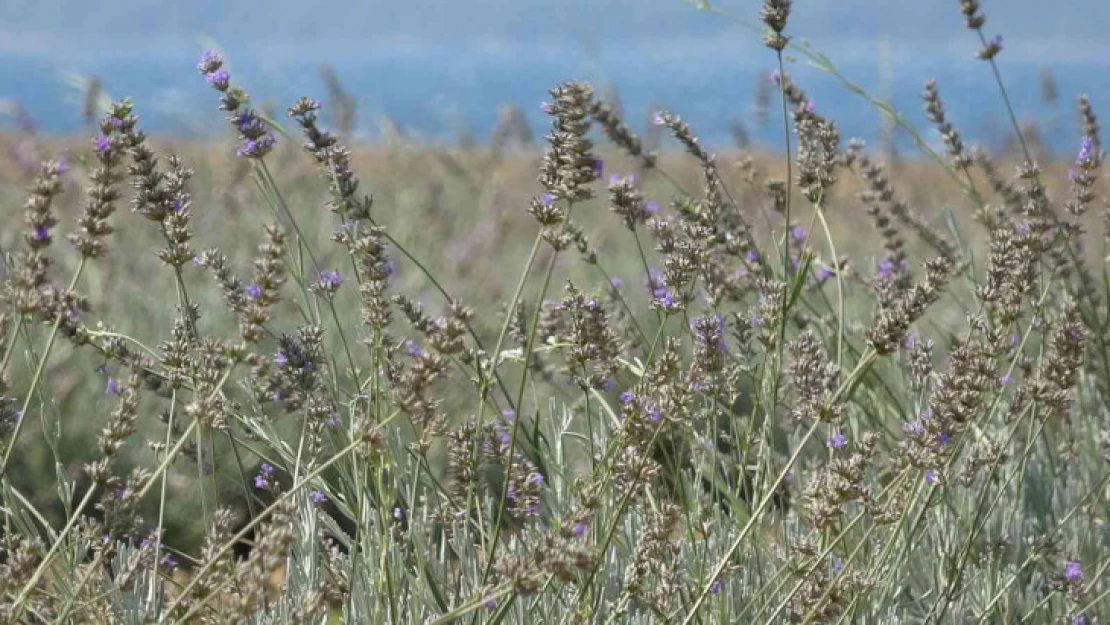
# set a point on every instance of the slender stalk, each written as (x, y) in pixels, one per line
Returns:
(528, 347)
(845, 387)
(786, 214)
(756, 514)
(38, 375)
(25, 593)
(495, 359)
(11, 345)
(839, 286)
(199, 574)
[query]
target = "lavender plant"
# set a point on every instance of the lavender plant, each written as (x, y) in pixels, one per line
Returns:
(775, 427)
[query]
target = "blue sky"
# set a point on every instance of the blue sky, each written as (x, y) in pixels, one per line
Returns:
(57, 29)
(431, 65)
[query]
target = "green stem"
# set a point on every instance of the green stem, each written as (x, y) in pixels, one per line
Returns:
(17, 606)
(200, 573)
(38, 374)
(756, 514)
(529, 346)
(496, 356)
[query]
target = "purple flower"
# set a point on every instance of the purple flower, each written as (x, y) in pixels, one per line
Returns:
(752, 256)
(655, 284)
(1071, 174)
(333, 420)
(607, 384)
(838, 565)
(330, 279)
(280, 359)
(709, 333)
(943, 438)
(112, 388)
(653, 415)
(1014, 339)
(1005, 379)
(1080, 620)
(754, 320)
(910, 340)
(249, 124)
(625, 397)
(256, 148)
(412, 349)
(61, 167)
(579, 528)
(276, 396)
(824, 273)
(598, 166)
(811, 107)
(547, 199)
(318, 497)
(775, 77)
(489, 605)
(1085, 149)
(547, 107)
(798, 233)
(265, 477)
(658, 118)
(389, 268)
(998, 40)
(887, 268)
(836, 441)
(1022, 228)
(209, 62)
(715, 587)
(508, 414)
(1072, 571)
(651, 207)
(535, 478)
(253, 291)
(168, 562)
(931, 476)
(41, 233)
(219, 79)
(615, 282)
(197, 262)
(102, 145)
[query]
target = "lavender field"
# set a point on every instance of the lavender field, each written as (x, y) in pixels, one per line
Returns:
(273, 358)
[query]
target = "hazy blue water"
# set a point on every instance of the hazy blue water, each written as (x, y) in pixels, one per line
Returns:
(433, 96)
